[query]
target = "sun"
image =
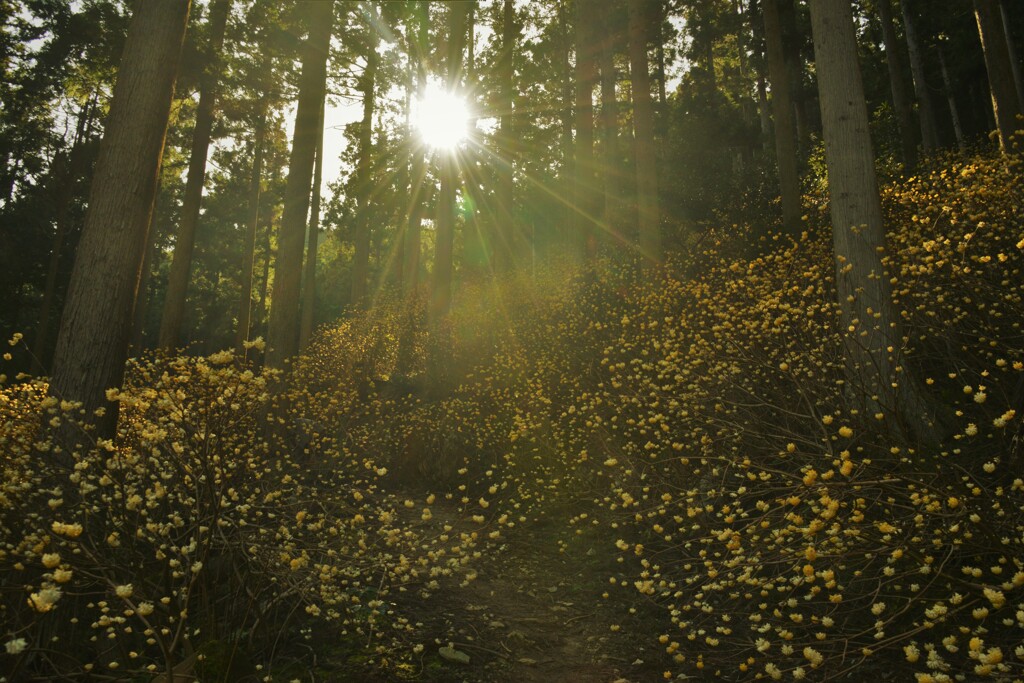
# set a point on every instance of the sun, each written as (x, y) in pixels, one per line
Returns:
(441, 118)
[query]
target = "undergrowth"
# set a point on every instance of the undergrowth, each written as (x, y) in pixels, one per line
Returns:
(696, 417)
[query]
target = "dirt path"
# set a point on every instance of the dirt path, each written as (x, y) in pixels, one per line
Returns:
(536, 615)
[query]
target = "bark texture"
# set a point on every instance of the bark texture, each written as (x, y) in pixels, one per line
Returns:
(249, 255)
(902, 102)
(283, 328)
(868, 315)
(585, 191)
(312, 238)
(648, 214)
(92, 344)
(364, 174)
(1005, 103)
(184, 246)
(411, 250)
(786, 153)
(611, 162)
(441, 295)
(926, 108)
(505, 236)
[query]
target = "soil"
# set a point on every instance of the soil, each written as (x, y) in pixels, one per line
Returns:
(535, 614)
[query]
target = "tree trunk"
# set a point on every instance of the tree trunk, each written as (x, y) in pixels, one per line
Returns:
(901, 100)
(364, 175)
(66, 172)
(92, 344)
(1011, 48)
(504, 237)
(568, 170)
(791, 40)
(181, 262)
(585, 182)
(312, 236)
(411, 249)
(926, 109)
(283, 329)
(867, 314)
(149, 257)
(658, 19)
(1005, 103)
(954, 111)
(249, 254)
(648, 214)
(441, 297)
(786, 153)
(610, 118)
(268, 255)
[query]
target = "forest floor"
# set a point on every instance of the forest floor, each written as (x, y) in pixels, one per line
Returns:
(535, 614)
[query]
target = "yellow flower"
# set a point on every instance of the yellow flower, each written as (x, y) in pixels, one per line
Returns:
(45, 599)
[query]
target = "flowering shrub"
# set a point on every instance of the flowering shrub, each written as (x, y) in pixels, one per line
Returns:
(189, 530)
(696, 416)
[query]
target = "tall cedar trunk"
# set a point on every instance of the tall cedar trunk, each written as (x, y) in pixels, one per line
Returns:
(954, 110)
(364, 175)
(441, 297)
(268, 255)
(791, 40)
(868, 315)
(411, 251)
(249, 253)
(584, 195)
(312, 237)
(786, 154)
(612, 164)
(926, 109)
(568, 170)
(1011, 48)
(505, 235)
(1005, 103)
(658, 16)
(92, 344)
(150, 256)
(648, 214)
(66, 172)
(756, 24)
(181, 262)
(901, 100)
(283, 328)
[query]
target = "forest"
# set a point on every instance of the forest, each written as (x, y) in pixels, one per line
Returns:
(484, 341)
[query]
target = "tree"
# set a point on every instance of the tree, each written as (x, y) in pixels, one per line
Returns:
(312, 234)
(1005, 103)
(249, 245)
(611, 161)
(786, 154)
(418, 38)
(92, 344)
(867, 314)
(901, 99)
(66, 170)
(181, 263)
(648, 215)
(926, 108)
(364, 173)
(584, 194)
(505, 236)
(441, 296)
(283, 330)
